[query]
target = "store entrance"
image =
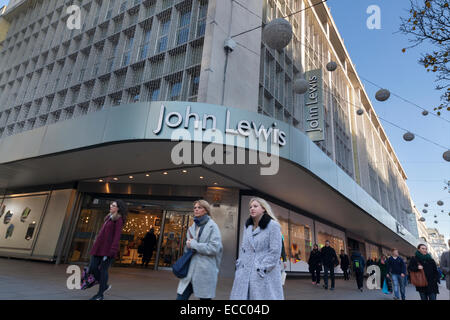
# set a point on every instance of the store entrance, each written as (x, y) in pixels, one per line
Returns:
(168, 219)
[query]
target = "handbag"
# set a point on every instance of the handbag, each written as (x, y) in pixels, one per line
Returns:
(385, 287)
(181, 267)
(418, 278)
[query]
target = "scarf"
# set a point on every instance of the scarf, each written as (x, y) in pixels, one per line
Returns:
(422, 257)
(200, 222)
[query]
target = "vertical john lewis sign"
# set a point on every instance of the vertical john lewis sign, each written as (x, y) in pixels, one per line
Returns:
(314, 118)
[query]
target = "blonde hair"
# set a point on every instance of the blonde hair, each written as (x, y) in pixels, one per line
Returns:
(265, 206)
(205, 205)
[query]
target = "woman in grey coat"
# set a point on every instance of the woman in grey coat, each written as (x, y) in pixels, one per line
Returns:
(204, 238)
(258, 269)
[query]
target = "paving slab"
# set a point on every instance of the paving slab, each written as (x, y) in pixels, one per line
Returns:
(32, 280)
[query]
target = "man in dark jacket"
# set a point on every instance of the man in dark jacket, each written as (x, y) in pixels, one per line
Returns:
(358, 269)
(149, 246)
(396, 271)
(329, 261)
(315, 265)
(344, 264)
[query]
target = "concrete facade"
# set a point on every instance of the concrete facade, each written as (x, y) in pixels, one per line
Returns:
(437, 242)
(63, 90)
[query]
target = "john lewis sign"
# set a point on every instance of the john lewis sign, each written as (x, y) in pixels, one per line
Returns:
(314, 117)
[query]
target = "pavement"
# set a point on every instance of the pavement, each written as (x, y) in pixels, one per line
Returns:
(31, 280)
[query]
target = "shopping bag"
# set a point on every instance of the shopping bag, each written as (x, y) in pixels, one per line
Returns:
(283, 277)
(87, 279)
(385, 287)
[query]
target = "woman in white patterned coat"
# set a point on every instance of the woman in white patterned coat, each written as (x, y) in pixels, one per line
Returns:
(258, 269)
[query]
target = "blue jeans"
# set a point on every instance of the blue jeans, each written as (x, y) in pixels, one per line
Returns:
(327, 269)
(427, 296)
(398, 280)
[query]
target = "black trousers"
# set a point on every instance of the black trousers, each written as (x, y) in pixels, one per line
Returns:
(146, 258)
(346, 277)
(315, 274)
(99, 269)
(359, 278)
(329, 269)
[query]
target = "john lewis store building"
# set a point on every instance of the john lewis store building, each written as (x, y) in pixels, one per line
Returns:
(90, 115)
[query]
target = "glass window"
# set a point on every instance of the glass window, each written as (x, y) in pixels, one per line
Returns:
(175, 91)
(183, 28)
(163, 36)
(301, 237)
(154, 94)
(145, 44)
(195, 80)
(201, 22)
(127, 54)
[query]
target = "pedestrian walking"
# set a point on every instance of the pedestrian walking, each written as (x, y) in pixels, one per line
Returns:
(149, 243)
(329, 261)
(358, 268)
(445, 265)
(258, 269)
(106, 246)
(315, 264)
(423, 261)
(204, 238)
(382, 264)
(396, 271)
(345, 262)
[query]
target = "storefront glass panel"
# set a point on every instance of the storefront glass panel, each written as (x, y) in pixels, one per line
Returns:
(169, 219)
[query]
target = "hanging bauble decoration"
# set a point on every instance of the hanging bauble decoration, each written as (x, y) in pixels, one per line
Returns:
(360, 112)
(426, 204)
(446, 155)
(332, 66)
(422, 219)
(440, 203)
(409, 136)
(277, 33)
(382, 95)
(300, 86)
(425, 112)
(424, 210)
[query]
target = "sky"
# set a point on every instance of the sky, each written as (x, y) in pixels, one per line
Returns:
(378, 57)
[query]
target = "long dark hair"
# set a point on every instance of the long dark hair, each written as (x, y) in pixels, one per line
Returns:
(123, 210)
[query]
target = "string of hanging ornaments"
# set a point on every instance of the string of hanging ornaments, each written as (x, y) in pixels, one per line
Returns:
(426, 205)
(277, 34)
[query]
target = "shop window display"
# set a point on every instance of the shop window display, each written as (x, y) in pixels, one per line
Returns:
(143, 215)
(301, 246)
(335, 242)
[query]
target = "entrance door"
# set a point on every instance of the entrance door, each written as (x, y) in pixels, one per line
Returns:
(168, 219)
(176, 224)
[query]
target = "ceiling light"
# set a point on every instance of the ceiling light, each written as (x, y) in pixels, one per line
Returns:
(201, 177)
(147, 175)
(184, 171)
(165, 172)
(115, 179)
(100, 180)
(131, 177)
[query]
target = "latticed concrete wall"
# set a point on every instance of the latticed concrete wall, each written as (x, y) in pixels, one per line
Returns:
(126, 51)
